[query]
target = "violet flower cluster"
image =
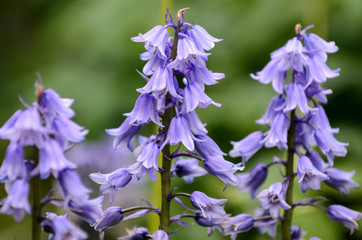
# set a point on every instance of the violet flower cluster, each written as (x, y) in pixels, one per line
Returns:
(176, 76)
(46, 127)
(297, 122)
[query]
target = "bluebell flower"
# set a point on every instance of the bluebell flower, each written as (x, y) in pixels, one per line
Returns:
(16, 203)
(202, 75)
(25, 128)
(52, 159)
(195, 97)
(345, 216)
(297, 233)
(51, 104)
(124, 134)
(273, 198)
(317, 160)
(223, 169)
(72, 186)
(206, 147)
(203, 40)
(289, 56)
(248, 146)
(147, 162)
(340, 180)
(188, 169)
(156, 37)
(196, 126)
(61, 228)
(13, 166)
(296, 97)
(68, 129)
(276, 103)
(161, 80)
(315, 90)
(237, 224)
(186, 47)
(309, 176)
(329, 145)
(210, 208)
(319, 120)
(268, 226)
(317, 46)
(112, 181)
(137, 233)
(145, 109)
(319, 70)
(111, 217)
(89, 210)
(179, 131)
(160, 235)
(253, 180)
(277, 135)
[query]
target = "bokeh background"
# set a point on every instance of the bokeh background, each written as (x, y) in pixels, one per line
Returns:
(83, 51)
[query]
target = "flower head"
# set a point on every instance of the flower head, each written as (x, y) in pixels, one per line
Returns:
(111, 217)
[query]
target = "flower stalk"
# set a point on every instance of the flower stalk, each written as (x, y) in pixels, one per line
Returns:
(36, 210)
(165, 221)
(288, 214)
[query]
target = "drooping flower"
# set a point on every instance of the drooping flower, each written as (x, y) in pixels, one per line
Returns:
(196, 126)
(195, 97)
(309, 176)
(89, 209)
(145, 109)
(112, 181)
(277, 135)
(223, 169)
(13, 166)
(340, 180)
(16, 203)
(253, 180)
(206, 147)
(61, 228)
(25, 128)
(124, 134)
(273, 198)
(156, 37)
(345, 216)
(179, 131)
(203, 40)
(72, 186)
(52, 159)
(147, 162)
(52, 104)
(111, 217)
(267, 225)
(276, 103)
(188, 169)
(296, 97)
(209, 207)
(248, 146)
(237, 224)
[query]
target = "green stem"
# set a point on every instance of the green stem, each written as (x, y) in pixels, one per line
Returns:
(36, 210)
(288, 214)
(165, 221)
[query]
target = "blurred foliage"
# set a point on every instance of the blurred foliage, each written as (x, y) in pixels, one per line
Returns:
(83, 51)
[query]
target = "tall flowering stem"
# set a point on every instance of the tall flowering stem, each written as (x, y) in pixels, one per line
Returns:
(175, 88)
(165, 221)
(289, 167)
(36, 211)
(298, 124)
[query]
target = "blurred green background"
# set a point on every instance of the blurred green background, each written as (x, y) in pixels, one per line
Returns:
(83, 51)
